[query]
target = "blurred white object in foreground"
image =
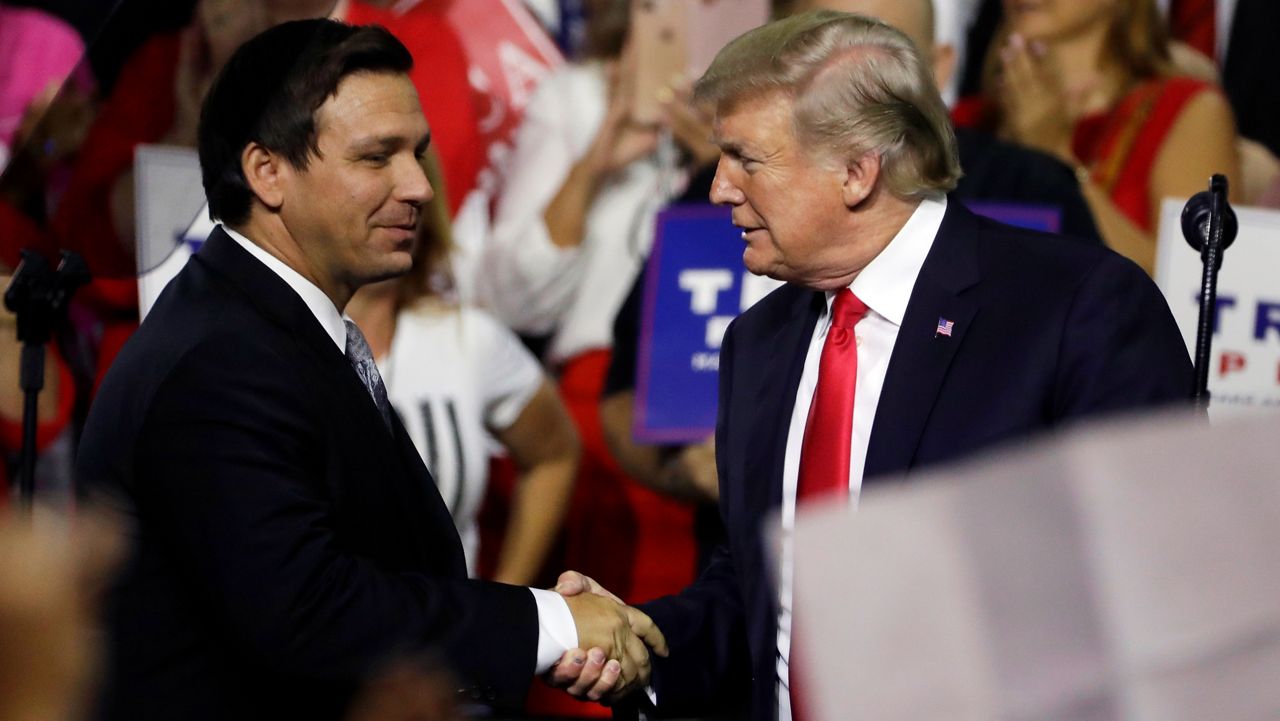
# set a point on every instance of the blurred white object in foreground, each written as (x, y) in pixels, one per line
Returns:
(1115, 572)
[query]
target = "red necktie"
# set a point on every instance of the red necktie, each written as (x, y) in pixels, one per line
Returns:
(1194, 22)
(828, 443)
(828, 434)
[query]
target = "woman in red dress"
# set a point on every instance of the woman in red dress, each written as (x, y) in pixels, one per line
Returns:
(1090, 81)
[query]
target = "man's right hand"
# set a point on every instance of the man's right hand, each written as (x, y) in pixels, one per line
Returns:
(618, 638)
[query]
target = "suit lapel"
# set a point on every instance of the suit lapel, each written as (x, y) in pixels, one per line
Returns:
(921, 356)
(782, 358)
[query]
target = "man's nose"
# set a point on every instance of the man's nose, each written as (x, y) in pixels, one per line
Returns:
(723, 190)
(412, 185)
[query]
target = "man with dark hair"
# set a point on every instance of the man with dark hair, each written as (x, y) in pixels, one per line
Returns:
(288, 540)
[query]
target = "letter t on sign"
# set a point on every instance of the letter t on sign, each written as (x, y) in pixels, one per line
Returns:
(704, 287)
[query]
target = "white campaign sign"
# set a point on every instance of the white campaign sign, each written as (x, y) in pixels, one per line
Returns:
(1244, 371)
(170, 208)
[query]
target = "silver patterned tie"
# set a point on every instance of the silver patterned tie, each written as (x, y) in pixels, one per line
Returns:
(361, 358)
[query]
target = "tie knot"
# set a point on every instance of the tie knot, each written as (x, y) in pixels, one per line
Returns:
(847, 310)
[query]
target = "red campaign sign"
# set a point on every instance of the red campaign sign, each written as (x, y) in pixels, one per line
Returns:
(509, 54)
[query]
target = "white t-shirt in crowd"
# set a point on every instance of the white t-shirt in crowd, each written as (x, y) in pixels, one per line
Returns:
(453, 374)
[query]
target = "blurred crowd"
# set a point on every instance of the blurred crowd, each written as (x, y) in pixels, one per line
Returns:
(509, 352)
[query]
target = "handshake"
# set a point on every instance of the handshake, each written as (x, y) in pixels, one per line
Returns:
(614, 643)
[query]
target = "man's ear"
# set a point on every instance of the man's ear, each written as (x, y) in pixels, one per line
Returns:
(265, 172)
(860, 177)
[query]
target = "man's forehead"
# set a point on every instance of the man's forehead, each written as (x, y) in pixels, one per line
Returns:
(365, 98)
(744, 118)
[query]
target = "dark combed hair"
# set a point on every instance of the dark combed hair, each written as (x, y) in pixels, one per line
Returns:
(268, 93)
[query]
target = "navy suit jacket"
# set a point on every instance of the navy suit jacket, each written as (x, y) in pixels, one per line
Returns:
(1045, 331)
(284, 543)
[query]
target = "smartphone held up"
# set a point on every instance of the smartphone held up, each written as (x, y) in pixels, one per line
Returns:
(676, 39)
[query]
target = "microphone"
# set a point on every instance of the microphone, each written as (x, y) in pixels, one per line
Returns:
(1197, 214)
(1210, 226)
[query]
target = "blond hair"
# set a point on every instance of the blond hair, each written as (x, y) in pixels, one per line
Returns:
(858, 85)
(431, 275)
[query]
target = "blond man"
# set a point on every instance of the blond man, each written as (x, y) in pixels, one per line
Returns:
(910, 332)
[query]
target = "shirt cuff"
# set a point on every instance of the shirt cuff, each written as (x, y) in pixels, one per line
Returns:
(557, 632)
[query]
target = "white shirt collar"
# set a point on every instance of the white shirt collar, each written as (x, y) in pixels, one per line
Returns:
(319, 304)
(886, 283)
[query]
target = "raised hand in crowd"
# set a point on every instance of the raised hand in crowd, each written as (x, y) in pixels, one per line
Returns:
(619, 142)
(595, 674)
(690, 124)
(218, 28)
(1039, 112)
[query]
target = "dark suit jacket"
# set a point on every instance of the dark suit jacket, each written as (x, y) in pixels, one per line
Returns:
(1046, 331)
(284, 542)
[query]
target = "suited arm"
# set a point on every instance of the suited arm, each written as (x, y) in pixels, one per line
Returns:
(708, 667)
(228, 473)
(1121, 348)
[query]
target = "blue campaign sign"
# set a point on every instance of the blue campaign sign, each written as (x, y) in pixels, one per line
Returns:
(696, 285)
(1047, 218)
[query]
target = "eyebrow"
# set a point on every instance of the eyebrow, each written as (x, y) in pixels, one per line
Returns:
(390, 142)
(727, 146)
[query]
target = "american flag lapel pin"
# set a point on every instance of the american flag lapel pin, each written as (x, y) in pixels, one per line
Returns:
(944, 327)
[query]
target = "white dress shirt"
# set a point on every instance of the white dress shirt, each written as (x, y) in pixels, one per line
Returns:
(557, 632)
(885, 286)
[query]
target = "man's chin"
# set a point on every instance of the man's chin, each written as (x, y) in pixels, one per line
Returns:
(757, 266)
(753, 262)
(391, 271)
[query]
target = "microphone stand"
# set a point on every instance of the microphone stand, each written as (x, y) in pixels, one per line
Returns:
(38, 296)
(1210, 226)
